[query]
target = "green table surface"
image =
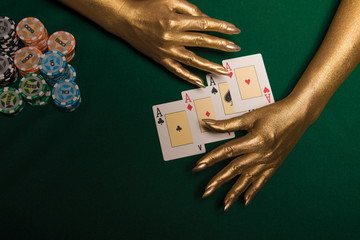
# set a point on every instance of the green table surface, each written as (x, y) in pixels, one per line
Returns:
(98, 173)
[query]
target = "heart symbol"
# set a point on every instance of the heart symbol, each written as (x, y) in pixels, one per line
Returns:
(266, 90)
(247, 81)
(230, 75)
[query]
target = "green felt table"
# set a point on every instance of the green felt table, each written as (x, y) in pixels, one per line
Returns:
(98, 173)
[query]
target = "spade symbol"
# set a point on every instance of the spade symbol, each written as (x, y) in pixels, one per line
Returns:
(178, 128)
(160, 121)
(214, 91)
(228, 97)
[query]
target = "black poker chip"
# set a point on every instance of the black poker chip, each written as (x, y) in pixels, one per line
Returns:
(8, 71)
(9, 41)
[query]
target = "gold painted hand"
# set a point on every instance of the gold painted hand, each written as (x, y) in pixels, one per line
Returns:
(274, 130)
(162, 29)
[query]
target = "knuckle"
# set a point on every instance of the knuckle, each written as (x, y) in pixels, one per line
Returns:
(168, 23)
(236, 168)
(199, 40)
(189, 58)
(259, 140)
(221, 43)
(248, 175)
(166, 37)
(223, 27)
(179, 72)
(195, 9)
(228, 151)
(203, 24)
(171, 24)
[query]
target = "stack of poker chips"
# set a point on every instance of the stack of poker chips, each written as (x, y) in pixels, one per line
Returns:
(63, 42)
(71, 73)
(8, 72)
(34, 89)
(11, 102)
(66, 95)
(9, 42)
(32, 33)
(53, 67)
(27, 60)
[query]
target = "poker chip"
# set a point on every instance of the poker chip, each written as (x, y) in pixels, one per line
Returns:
(44, 74)
(32, 87)
(66, 95)
(7, 28)
(10, 101)
(54, 67)
(9, 42)
(71, 73)
(74, 107)
(44, 99)
(63, 42)
(27, 60)
(8, 72)
(32, 33)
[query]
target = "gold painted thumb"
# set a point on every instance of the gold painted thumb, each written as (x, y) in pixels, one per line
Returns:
(215, 125)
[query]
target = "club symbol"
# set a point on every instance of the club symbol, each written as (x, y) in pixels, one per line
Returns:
(178, 128)
(228, 98)
(160, 121)
(214, 91)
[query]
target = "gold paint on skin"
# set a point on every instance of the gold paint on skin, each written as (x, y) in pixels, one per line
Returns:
(162, 29)
(271, 137)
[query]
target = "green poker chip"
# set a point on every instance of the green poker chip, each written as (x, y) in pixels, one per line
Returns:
(10, 101)
(43, 100)
(32, 86)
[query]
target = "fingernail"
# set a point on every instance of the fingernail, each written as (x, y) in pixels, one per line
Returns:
(233, 29)
(247, 201)
(199, 167)
(209, 121)
(208, 191)
(228, 204)
(222, 70)
(233, 47)
(199, 83)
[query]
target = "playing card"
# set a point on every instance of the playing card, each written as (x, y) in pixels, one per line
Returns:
(218, 88)
(248, 82)
(175, 132)
(199, 105)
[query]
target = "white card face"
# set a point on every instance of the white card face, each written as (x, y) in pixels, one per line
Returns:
(175, 132)
(248, 82)
(218, 88)
(199, 105)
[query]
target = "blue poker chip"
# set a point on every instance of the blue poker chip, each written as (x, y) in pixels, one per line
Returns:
(66, 94)
(53, 64)
(71, 73)
(74, 107)
(52, 80)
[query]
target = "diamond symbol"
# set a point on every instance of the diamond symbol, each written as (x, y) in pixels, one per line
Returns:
(189, 107)
(207, 114)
